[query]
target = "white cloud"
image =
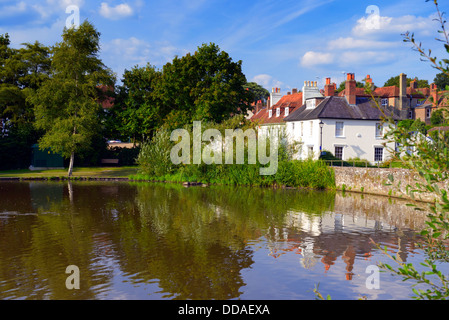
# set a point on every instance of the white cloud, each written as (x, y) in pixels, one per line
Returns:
(366, 26)
(14, 9)
(312, 58)
(354, 43)
(120, 54)
(267, 81)
(353, 58)
(120, 11)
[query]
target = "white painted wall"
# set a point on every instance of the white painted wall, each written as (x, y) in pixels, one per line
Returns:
(358, 140)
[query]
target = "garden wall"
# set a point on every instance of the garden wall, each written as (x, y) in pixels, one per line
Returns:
(374, 180)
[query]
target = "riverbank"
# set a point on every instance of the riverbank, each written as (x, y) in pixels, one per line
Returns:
(373, 181)
(97, 173)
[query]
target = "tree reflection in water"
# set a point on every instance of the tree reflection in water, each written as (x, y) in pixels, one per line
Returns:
(181, 243)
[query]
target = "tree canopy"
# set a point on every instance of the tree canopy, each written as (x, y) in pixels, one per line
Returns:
(394, 81)
(66, 105)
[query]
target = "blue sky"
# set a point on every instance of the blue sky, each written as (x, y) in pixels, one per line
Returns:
(281, 42)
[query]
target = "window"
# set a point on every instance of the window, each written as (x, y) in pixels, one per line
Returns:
(378, 154)
(384, 102)
(278, 112)
(293, 126)
(338, 153)
(410, 114)
(311, 151)
(379, 130)
(270, 113)
(311, 104)
(287, 111)
(302, 129)
(311, 128)
(428, 112)
(339, 126)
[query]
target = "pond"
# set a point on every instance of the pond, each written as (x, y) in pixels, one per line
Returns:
(152, 241)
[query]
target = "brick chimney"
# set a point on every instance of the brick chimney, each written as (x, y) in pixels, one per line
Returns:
(329, 88)
(403, 103)
(294, 91)
(434, 94)
(350, 90)
(369, 82)
(414, 84)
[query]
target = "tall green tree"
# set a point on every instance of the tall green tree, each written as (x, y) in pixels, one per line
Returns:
(207, 85)
(259, 92)
(137, 111)
(67, 105)
(441, 80)
(22, 71)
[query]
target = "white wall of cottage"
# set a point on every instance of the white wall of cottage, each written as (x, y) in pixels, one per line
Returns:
(358, 138)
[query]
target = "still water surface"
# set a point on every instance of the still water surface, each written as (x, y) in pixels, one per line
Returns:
(146, 241)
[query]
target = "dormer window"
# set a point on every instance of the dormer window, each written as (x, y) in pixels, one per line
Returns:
(287, 111)
(270, 113)
(384, 102)
(311, 104)
(278, 112)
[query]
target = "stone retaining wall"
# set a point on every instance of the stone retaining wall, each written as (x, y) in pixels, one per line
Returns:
(374, 180)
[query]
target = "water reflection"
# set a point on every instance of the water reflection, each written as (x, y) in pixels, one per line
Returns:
(140, 241)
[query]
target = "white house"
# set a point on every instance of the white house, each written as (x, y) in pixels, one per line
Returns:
(271, 119)
(347, 130)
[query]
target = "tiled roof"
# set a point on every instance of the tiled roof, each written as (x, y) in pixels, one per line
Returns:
(292, 101)
(391, 91)
(339, 108)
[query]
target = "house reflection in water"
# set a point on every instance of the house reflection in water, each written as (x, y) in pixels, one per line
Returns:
(325, 238)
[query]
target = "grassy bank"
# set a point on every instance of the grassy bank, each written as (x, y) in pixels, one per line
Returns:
(297, 174)
(94, 172)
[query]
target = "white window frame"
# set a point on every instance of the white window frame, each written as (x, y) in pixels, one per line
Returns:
(379, 130)
(270, 113)
(339, 132)
(342, 152)
(287, 111)
(311, 128)
(302, 129)
(278, 112)
(384, 102)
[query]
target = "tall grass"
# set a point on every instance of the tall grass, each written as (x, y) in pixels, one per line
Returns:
(155, 165)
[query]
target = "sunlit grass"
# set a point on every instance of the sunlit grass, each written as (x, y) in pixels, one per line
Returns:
(94, 172)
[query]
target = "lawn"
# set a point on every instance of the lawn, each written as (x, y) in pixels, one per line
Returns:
(94, 172)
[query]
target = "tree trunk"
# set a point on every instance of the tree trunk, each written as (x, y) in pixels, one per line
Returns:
(72, 160)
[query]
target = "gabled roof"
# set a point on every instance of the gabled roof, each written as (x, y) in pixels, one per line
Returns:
(443, 100)
(339, 108)
(291, 101)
